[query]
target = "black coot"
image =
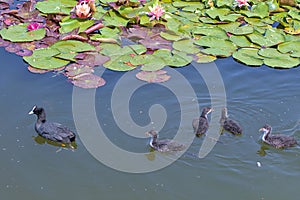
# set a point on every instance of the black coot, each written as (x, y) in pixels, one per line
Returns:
(49, 130)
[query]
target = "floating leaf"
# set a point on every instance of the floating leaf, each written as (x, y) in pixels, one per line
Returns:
(91, 59)
(171, 37)
(240, 41)
(44, 59)
(186, 46)
(274, 58)
(270, 38)
(154, 76)
(69, 46)
(217, 46)
(56, 6)
(19, 33)
(89, 81)
(203, 58)
(248, 56)
(211, 31)
(292, 47)
(36, 70)
(74, 70)
(153, 63)
(237, 29)
(216, 12)
(260, 10)
(69, 24)
(120, 63)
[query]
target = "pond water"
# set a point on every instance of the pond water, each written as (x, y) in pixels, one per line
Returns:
(32, 169)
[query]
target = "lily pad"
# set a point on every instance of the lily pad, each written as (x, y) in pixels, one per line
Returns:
(91, 59)
(248, 56)
(44, 59)
(186, 46)
(274, 58)
(240, 41)
(170, 37)
(260, 10)
(89, 81)
(154, 76)
(71, 46)
(203, 58)
(74, 70)
(292, 47)
(68, 24)
(237, 29)
(56, 6)
(211, 31)
(270, 38)
(120, 63)
(19, 33)
(217, 46)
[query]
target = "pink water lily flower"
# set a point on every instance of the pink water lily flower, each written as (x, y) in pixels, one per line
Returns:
(83, 8)
(241, 3)
(156, 12)
(34, 26)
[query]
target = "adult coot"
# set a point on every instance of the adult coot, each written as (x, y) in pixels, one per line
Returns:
(165, 145)
(201, 124)
(277, 141)
(49, 130)
(229, 125)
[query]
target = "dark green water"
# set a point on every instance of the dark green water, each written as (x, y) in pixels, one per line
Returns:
(255, 96)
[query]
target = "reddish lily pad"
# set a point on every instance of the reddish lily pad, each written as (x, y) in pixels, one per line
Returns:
(74, 70)
(154, 76)
(37, 70)
(92, 59)
(88, 81)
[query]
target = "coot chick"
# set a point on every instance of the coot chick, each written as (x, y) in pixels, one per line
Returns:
(230, 125)
(49, 130)
(278, 140)
(201, 124)
(165, 145)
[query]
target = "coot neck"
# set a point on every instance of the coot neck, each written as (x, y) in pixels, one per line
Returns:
(153, 140)
(42, 116)
(265, 135)
(204, 115)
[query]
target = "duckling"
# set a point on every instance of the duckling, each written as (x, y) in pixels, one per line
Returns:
(201, 124)
(49, 130)
(278, 140)
(165, 145)
(229, 124)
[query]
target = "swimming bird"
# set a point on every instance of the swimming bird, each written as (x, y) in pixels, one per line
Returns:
(165, 145)
(49, 130)
(278, 140)
(229, 125)
(201, 124)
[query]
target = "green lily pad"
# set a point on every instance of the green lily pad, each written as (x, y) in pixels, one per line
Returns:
(44, 59)
(19, 33)
(211, 31)
(56, 6)
(236, 28)
(221, 3)
(248, 56)
(186, 46)
(217, 46)
(292, 47)
(203, 58)
(153, 76)
(68, 24)
(72, 46)
(260, 10)
(113, 19)
(270, 38)
(217, 12)
(240, 41)
(153, 63)
(120, 63)
(294, 14)
(170, 37)
(274, 58)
